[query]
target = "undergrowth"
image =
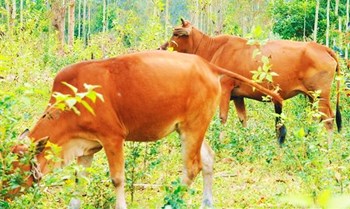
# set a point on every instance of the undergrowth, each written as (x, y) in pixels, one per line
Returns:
(251, 170)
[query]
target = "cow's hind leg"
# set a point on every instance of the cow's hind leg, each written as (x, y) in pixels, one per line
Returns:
(281, 129)
(325, 109)
(327, 116)
(85, 161)
(241, 112)
(193, 154)
(207, 155)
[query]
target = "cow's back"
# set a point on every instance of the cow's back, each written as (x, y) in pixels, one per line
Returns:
(291, 60)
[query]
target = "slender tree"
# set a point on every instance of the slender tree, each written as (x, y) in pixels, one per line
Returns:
(79, 19)
(21, 12)
(166, 18)
(84, 22)
(316, 20)
(11, 14)
(347, 29)
(104, 23)
(58, 12)
(71, 22)
(327, 28)
(88, 22)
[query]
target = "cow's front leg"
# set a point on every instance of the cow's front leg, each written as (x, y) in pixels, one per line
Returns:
(115, 156)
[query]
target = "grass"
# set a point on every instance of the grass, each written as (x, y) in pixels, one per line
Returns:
(251, 170)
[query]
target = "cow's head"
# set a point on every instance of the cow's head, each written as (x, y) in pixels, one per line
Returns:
(26, 166)
(181, 38)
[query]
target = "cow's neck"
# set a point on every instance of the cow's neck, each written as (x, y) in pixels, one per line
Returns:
(204, 45)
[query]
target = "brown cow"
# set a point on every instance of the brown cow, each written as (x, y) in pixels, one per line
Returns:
(147, 96)
(301, 68)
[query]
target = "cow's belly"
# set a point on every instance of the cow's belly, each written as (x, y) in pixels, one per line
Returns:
(247, 92)
(151, 131)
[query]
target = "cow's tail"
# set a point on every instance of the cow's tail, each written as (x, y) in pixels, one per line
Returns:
(337, 114)
(276, 98)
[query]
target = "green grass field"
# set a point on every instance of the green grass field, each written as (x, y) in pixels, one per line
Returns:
(251, 170)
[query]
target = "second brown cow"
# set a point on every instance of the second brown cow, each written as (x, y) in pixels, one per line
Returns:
(301, 68)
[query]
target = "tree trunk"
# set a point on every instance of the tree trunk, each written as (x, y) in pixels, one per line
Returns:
(58, 12)
(21, 13)
(336, 7)
(89, 21)
(107, 24)
(71, 23)
(347, 30)
(327, 29)
(11, 14)
(166, 18)
(316, 20)
(196, 13)
(220, 18)
(84, 22)
(79, 19)
(104, 16)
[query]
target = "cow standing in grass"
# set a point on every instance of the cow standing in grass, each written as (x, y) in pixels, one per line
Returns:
(146, 97)
(302, 67)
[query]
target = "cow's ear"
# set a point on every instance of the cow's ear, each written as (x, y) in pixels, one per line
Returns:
(183, 22)
(24, 135)
(40, 144)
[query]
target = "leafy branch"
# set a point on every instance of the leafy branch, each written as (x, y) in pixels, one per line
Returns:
(68, 102)
(263, 73)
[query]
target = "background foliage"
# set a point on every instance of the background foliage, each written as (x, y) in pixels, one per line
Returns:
(250, 170)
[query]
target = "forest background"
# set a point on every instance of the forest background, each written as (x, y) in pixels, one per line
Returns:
(38, 38)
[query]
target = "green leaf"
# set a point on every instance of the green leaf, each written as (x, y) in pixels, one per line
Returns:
(256, 52)
(88, 107)
(324, 198)
(60, 106)
(273, 73)
(300, 133)
(75, 110)
(90, 87)
(92, 96)
(269, 78)
(70, 102)
(73, 88)
(100, 96)
(252, 42)
(59, 96)
(82, 94)
(265, 59)
(257, 31)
